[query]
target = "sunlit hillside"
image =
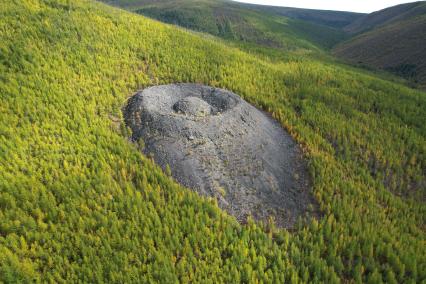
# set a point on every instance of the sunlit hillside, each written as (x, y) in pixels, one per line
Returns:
(281, 28)
(80, 203)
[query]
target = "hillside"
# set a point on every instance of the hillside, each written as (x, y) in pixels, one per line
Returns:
(80, 203)
(285, 29)
(396, 45)
(334, 19)
(386, 16)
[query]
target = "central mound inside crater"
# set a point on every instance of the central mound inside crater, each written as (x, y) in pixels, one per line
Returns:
(220, 146)
(192, 106)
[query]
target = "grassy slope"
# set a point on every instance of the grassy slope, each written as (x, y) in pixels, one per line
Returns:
(239, 22)
(398, 48)
(78, 201)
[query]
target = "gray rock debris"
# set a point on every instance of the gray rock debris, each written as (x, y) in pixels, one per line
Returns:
(220, 146)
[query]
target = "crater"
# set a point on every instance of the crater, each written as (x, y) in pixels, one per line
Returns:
(218, 145)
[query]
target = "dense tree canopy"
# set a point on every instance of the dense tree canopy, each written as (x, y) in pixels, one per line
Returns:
(78, 201)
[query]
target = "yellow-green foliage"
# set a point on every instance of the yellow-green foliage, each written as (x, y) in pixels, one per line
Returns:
(79, 202)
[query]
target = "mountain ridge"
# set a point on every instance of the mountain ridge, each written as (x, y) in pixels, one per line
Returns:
(331, 18)
(386, 16)
(395, 44)
(288, 28)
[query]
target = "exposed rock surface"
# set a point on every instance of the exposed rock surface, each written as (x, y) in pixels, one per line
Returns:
(218, 145)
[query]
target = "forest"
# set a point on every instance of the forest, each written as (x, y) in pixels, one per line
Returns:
(80, 203)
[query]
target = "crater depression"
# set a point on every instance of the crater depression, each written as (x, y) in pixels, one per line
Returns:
(220, 146)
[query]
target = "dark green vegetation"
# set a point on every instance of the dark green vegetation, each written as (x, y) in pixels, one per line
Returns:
(79, 202)
(334, 19)
(386, 16)
(283, 28)
(389, 40)
(393, 39)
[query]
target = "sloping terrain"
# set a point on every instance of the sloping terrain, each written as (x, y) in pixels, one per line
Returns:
(399, 48)
(334, 19)
(288, 29)
(387, 16)
(396, 43)
(80, 203)
(391, 39)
